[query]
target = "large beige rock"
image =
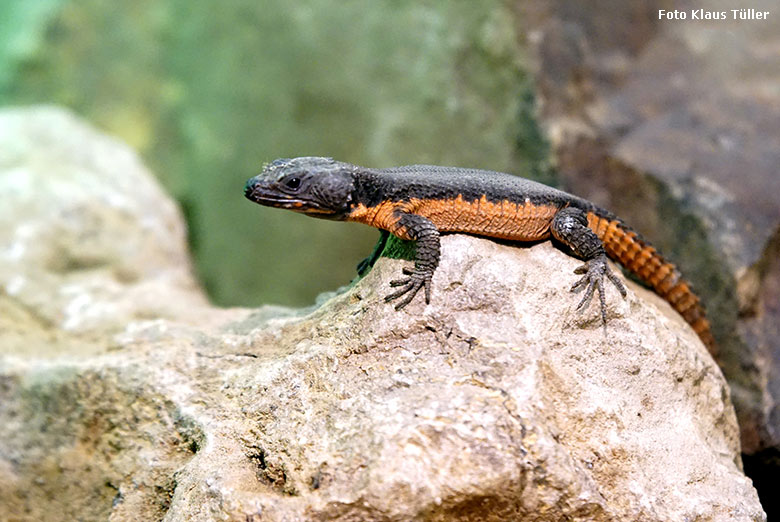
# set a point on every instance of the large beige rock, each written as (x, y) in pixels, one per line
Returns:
(675, 125)
(88, 240)
(495, 402)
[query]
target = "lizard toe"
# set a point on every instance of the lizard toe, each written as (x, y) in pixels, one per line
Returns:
(400, 282)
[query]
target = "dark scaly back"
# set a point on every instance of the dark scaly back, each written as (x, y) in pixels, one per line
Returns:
(435, 182)
(638, 256)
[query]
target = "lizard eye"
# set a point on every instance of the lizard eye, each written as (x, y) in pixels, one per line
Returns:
(293, 183)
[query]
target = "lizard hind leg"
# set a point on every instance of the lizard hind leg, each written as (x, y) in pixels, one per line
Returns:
(570, 227)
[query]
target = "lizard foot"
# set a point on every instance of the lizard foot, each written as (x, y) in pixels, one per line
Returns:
(410, 286)
(594, 271)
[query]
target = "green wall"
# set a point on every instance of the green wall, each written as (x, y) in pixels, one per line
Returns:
(209, 91)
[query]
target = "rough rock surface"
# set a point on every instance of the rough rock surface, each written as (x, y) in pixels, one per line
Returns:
(675, 125)
(89, 241)
(495, 402)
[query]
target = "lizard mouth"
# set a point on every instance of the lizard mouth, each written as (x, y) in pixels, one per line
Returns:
(272, 197)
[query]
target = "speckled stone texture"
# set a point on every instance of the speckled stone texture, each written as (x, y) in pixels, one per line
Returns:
(498, 401)
(675, 126)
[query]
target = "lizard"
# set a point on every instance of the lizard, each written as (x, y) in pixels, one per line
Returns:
(421, 202)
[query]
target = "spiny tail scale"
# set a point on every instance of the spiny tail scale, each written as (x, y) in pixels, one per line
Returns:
(642, 259)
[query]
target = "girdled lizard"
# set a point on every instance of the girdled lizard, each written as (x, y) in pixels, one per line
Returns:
(419, 202)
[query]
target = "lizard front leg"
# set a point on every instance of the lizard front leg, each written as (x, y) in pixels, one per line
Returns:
(570, 227)
(424, 232)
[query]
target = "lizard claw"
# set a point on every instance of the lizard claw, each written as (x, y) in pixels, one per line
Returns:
(410, 286)
(594, 271)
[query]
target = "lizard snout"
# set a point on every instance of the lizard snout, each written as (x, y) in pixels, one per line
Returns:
(249, 188)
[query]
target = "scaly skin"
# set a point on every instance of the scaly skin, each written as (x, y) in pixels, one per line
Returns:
(419, 202)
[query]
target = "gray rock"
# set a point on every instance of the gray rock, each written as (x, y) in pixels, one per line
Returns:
(88, 240)
(495, 402)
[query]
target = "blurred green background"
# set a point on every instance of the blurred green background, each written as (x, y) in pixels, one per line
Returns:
(206, 92)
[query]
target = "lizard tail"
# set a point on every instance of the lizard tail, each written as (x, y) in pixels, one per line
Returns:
(642, 259)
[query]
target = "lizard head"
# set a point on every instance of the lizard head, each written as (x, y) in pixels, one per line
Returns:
(318, 187)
